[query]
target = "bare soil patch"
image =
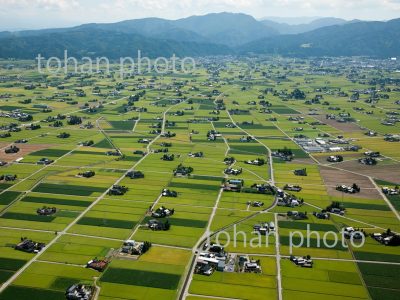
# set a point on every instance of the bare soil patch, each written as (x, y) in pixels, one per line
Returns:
(25, 149)
(333, 177)
(346, 127)
(382, 171)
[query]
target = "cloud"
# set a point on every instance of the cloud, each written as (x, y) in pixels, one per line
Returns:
(53, 13)
(39, 4)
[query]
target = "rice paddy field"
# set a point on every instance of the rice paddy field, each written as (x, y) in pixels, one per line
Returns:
(154, 123)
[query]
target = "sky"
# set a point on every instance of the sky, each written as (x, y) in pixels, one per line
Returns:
(33, 14)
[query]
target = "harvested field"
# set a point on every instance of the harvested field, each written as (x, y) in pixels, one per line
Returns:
(345, 127)
(25, 149)
(333, 177)
(387, 172)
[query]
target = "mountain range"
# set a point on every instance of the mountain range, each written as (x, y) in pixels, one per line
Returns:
(211, 34)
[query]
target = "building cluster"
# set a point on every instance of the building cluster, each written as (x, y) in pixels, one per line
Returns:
(87, 174)
(8, 177)
(135, 174)
(233, 171)
(158, 225)
(46, 211)
(45, 161)
(387, 238)
(286, 199)
(196, 154)
(351, 233)
(391, 191)
(325, 145)
(181, 171)
(17, 115)
(304, 262)
(134, 248)
(168, 157)
(283, 154)
(336, 208)
(264, 228)
(214, 258)
(27, 245)
(11, 150)
(162, 212)
(255, 162)
(335, 158)
(296, 215)
(212, 135)
(169, 193)
(79, 292)
(97, 264)
(117, 190)
(348, 189)
(292, 188)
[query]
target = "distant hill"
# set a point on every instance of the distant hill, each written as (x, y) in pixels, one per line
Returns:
(227, 28)
(212, 34)
(96, 42)
(221, 28)
(291, 20)
(283, 28)
(376, 39)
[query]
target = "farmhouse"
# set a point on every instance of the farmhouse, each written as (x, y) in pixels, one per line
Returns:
(255, 203)
(336, 208)
(368, 161)
(162, 212)
(98, 265)
(348, 189)
(260, 189)
(285, 199)
(169, 193)
(229, 160)
(335, 158)
(168, 157)
(203, 267)
(295, 215)
(391, 191)
(134, 174)
(350, 232)
(117, 190)
(300, 172)
(246, 139)
(262, 229)
(11, 150)
(255, 162)
(231, 171)
(321, 215)
(158, 225)
(114, 153)
(372, 154)
(196, 154)
(29, 246)
(63, 135)
(8, 177)
(131, 247)
(181, 170)
(45, 161)
(292, 188)
(46, 211)
(79, 292)
(233, 185)
(87, 174)
(304, 262)
(387, 238)
(252, 266)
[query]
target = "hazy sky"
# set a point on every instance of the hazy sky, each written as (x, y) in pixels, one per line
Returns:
(16, 14)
